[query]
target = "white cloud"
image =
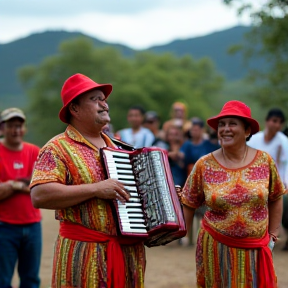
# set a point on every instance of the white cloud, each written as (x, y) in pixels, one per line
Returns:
(154, 25)
(73, 7)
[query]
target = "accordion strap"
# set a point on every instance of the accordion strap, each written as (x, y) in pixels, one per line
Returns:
(120, 144)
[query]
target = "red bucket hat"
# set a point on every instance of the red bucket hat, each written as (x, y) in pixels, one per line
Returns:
(76, 85)
(235, 108)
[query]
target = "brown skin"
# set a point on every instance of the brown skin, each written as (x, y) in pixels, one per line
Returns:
(177, 118)
(88, 116)
(1, 130)
(275, 216)
(236, 154)
(178, 113)
(188, 215)
(272, 126)
(153, 126)
(6, 190)
(232, 137)
(175, 139)
(13, 132)
(135, 118)
(197, 134)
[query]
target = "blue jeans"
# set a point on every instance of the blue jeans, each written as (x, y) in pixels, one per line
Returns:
(22, 243)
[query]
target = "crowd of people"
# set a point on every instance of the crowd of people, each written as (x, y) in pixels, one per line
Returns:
(184, 140)
(233, 175)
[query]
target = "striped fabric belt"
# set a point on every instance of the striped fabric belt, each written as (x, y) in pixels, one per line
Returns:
(265, 270)
(115, 258)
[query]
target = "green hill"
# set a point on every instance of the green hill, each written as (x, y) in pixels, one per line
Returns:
(34, 48)
(216, 46)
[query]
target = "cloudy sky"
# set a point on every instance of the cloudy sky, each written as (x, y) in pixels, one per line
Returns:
(135, 23)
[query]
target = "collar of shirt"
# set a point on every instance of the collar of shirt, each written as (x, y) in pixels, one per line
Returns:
(75, 135)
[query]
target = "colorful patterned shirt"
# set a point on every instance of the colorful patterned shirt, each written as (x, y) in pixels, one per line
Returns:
(237, 199)
(70, 159)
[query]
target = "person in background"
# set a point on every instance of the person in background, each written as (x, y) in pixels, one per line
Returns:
(193, 149)
(69, 176)
(137, 136)
(274, 142)
(212, 136)
(152, 122)
(20, 222)
(175, 139)
(243, 192)
(178, 118)
(197, 146)
(108, 130)
(1, 131)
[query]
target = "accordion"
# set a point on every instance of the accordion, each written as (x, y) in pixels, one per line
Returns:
(153, 211)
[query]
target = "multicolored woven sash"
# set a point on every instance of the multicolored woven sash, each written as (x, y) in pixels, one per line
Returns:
(265, 270)
(115, 259)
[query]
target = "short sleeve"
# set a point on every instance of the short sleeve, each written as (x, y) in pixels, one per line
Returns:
(193, 192)
(49, 167)
(276, 186)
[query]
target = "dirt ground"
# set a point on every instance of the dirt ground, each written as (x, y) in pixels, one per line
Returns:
(170, 266)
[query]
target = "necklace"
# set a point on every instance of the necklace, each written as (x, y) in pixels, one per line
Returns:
(243, 158)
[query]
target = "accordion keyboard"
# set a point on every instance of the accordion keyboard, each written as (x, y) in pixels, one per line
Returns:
(144, 177)
(130, 214)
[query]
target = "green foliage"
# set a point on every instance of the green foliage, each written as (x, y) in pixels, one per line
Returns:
(268, 39)
(153, 81)
(242, 90)
(32, 50)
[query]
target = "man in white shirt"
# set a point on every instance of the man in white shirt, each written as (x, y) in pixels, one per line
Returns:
(274, 142)
(137, 136)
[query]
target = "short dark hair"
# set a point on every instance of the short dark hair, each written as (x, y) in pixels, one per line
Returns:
(197, 121)
(151, 116)
(276, 112)
(75, 101)
(139, 108)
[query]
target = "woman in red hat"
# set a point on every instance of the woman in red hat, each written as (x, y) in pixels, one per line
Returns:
(243, 192)
(69, 177)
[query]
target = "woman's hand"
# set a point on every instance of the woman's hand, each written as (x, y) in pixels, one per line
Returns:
(271, 243)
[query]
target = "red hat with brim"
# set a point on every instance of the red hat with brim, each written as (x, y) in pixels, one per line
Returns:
(235, 108)
(74, 86)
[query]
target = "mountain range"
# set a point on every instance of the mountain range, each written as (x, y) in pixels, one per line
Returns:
(34, 48)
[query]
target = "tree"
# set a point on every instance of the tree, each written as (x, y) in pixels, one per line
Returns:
(43, 83)
(268, 39)
(153, 81)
